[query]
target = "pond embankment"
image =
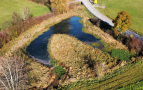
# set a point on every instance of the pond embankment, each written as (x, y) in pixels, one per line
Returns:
(71, 26)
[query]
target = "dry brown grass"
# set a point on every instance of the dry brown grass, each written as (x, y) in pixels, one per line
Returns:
(80, 57)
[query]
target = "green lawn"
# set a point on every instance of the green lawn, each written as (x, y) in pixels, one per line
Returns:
(133, 7)
(8, 6)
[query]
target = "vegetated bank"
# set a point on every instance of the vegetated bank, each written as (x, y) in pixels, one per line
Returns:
(122, 77)
(108, 41)
(8, 6)
(131, 6)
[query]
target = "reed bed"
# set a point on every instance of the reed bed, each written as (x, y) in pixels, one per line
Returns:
(80, 57)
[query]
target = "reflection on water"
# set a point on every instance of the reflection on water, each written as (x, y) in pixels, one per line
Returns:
(38, 48)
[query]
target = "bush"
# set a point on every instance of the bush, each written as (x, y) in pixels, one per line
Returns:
(121, 55)
(59, 71)
(16, 19)
(136, 45)
(120, 37)
(13, 34)
(53, 62)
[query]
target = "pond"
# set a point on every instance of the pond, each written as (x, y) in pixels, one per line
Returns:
(38, 47)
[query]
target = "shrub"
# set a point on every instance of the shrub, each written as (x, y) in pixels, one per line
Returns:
(121, 55)
(13, 34)
(127, 41)
(53, 62)
(120, 37)
(59, 71)
(16, 19)
(136, 45)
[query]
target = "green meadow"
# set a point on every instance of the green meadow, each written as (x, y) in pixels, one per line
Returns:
(133, 7)
(8, 6)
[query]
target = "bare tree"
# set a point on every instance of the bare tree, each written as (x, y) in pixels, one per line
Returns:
(11, 73)
(26, 13)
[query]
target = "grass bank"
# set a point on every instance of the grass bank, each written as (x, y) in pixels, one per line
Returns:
(134, 8)
(8, 6)
(122, 77)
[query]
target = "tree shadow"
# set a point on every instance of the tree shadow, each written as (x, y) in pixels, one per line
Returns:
(102, 25)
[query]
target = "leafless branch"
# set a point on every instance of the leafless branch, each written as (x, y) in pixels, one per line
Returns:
(11, 73)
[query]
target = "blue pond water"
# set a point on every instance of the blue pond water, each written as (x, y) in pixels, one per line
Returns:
(38, 47)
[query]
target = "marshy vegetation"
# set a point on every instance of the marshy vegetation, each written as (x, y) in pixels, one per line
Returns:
(95, 44)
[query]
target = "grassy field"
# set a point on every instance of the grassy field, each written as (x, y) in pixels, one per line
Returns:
(8, 6)
(134, 8)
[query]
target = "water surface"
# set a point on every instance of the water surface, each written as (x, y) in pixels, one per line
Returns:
(38, 47)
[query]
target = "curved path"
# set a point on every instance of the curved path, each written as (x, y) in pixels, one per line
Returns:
(97, 14)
